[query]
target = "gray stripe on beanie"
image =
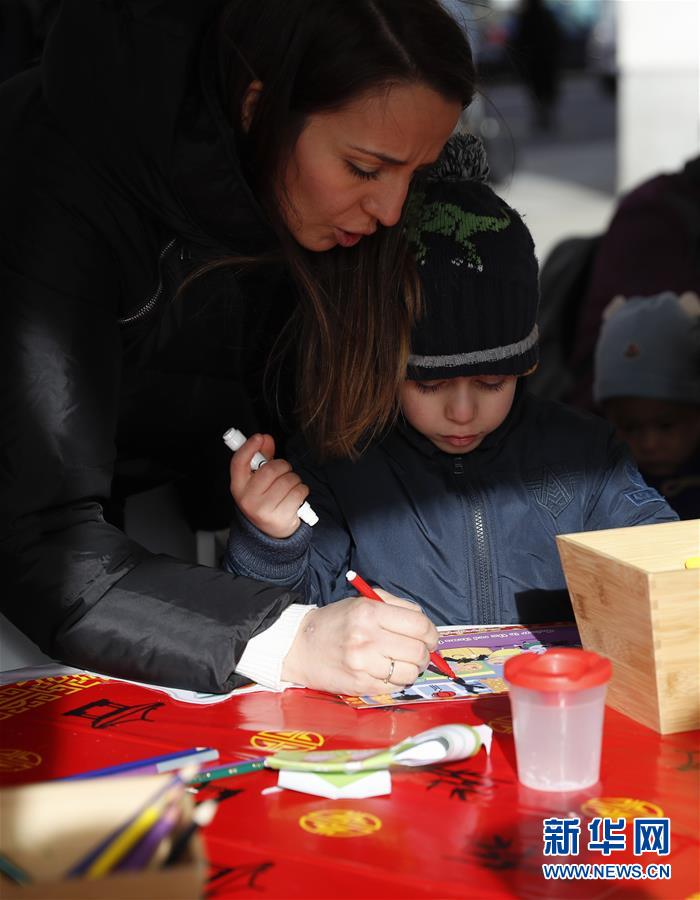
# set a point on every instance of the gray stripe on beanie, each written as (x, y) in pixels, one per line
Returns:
(493, 354)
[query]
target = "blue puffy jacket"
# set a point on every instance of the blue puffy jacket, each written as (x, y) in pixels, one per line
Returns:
(472, 537)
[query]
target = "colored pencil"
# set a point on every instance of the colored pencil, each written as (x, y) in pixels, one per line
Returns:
(235, 768)
(201, 817)
(436, 660)
(159, 799)
(125, 841)
(142, 854)
(13, 872)
(153, 765)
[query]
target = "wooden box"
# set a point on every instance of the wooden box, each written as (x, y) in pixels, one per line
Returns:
(636, 603)
(45, 827)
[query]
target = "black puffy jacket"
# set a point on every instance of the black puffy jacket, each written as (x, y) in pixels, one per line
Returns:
(118, 175)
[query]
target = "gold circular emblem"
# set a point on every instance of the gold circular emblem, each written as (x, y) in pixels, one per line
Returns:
(287, 740)
(501, 724)
(18, 760)
(620, 807)
(341, 823)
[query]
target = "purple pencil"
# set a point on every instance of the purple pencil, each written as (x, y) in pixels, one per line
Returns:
(144, 851)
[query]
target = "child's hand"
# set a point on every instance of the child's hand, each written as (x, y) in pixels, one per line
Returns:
(270, 496)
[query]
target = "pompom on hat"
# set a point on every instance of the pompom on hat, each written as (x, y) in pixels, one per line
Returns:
(463, 158)
(478, 271)
(650, 347)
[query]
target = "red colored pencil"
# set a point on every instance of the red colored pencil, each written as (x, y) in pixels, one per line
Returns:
(363, 588)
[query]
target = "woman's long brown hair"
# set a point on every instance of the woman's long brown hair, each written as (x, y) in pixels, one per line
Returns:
(351, 334)
(356, 306)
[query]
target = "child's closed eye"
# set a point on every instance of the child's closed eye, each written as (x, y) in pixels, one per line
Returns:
(491, 385)
(487, 383)
(429, 387)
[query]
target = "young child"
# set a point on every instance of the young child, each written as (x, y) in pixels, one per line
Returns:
(647, 382)
(458, 506)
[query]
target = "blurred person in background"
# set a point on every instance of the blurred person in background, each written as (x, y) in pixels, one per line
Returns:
(647, 382)
(652, 245)
(601, 48)
(537, 50)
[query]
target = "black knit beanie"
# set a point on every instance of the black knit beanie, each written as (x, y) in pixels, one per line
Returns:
(478, 270)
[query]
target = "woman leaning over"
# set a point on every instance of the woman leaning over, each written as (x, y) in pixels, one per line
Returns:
(181, 183)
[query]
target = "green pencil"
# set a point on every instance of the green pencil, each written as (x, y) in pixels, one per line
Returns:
(13, 872)
(217, 772)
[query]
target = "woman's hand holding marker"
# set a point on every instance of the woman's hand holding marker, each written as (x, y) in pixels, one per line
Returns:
(359, 647)
(268, 495)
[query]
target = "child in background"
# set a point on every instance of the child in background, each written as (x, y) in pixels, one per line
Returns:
(647, 382)
(458, 506)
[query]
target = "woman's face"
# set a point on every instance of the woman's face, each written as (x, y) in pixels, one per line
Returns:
(351, 168)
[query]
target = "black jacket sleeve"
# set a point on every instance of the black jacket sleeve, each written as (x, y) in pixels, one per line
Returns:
(80, 588)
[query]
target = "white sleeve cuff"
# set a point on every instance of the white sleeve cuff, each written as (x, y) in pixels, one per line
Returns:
(264, 654)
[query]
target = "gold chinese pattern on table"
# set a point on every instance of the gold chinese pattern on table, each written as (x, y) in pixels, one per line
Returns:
(12, 760)
(18, 698)
(340, 823)
(272, 741)
(616, 807)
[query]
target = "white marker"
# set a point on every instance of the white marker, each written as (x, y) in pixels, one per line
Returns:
(234, 440)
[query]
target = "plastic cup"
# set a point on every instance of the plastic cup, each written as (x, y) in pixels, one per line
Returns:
(558, 701)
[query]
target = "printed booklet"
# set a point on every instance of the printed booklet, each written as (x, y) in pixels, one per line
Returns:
(477, 654)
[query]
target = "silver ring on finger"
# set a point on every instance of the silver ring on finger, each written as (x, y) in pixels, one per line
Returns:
(392, 663)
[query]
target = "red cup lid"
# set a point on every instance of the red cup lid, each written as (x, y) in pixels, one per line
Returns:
(558, 669)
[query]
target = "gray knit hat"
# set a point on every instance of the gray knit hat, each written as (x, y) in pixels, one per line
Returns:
(650, 347)
(478, 271)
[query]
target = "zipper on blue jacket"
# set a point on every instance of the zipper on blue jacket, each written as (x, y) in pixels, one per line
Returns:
(486, 607)
(153, 299)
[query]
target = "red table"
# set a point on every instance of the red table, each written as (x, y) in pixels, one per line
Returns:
(464, 829)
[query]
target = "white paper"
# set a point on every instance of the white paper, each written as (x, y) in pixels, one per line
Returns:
(376, 783)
